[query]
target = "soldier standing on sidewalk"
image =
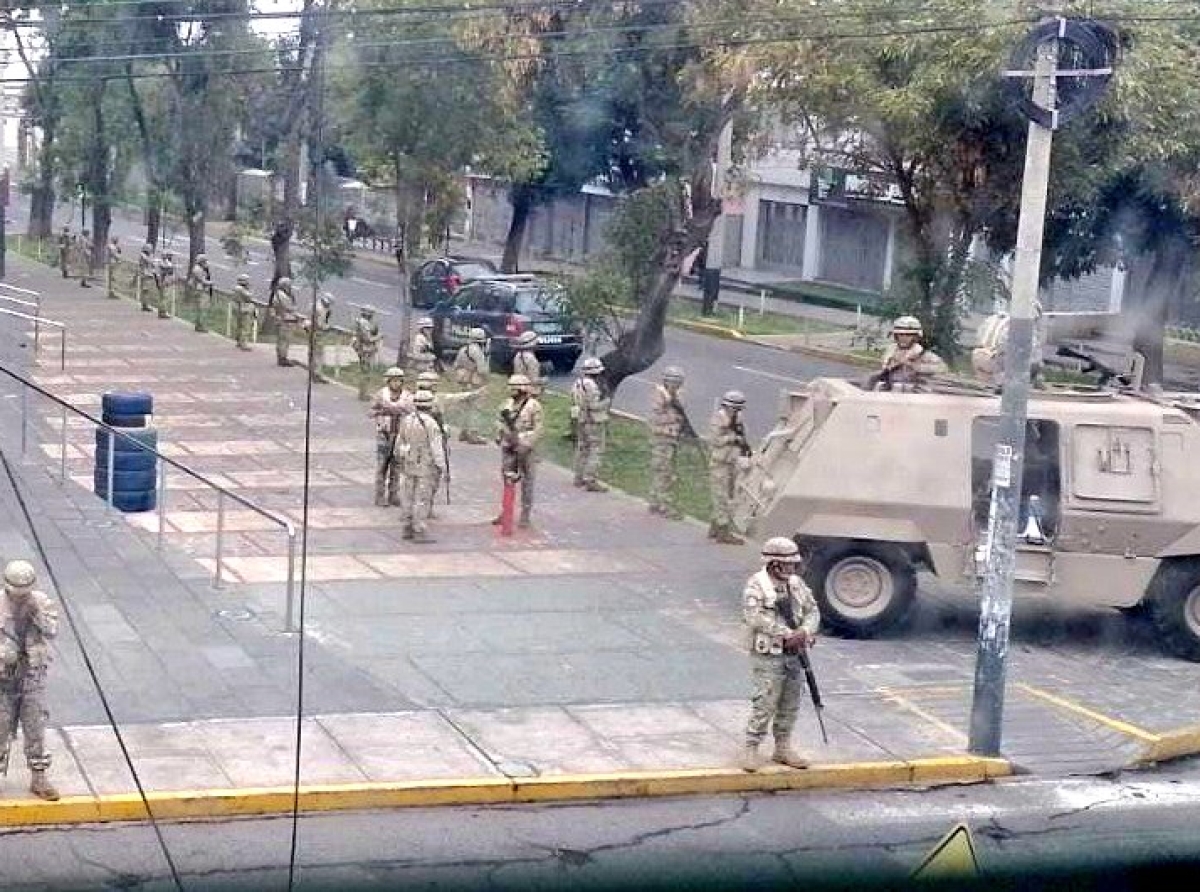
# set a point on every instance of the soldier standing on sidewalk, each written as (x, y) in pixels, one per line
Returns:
(66, 243)
(367, 339)
(164, 278)
(145, 276)
(243, 312)
(525, 361)
(471, 372)
(320, 328)
(421, 461)
(283, 306)
(83, 246)
(112, 257)
(589, 409)
(730, 455)
(200, 284)
(520, 430)
(667, 424)
(28, 622)
(422, 355)
(782, 619)
(389, 404)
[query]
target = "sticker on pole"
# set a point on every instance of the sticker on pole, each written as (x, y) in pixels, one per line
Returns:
(1002, 468)
(952, 858)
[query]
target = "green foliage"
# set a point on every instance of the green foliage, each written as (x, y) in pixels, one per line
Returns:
(327, 255)
(233, 243)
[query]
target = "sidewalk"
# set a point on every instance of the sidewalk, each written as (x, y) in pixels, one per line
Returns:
(604, 640)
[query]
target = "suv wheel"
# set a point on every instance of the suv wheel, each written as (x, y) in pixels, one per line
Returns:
(1174, 602)
(564, 364)
(862, 588)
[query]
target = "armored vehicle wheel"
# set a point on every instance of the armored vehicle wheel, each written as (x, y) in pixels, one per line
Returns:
(862, 588)
(1174, 600)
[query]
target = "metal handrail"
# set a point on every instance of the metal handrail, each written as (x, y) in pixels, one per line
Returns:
(164, 460)
(39, 321)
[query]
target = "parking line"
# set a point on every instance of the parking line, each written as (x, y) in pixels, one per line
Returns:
(374, 284)
(1098, 717)
(906, 704)
(771, 375)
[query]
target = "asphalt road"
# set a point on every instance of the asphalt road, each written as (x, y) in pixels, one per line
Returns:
(712, 365)
(736, 842)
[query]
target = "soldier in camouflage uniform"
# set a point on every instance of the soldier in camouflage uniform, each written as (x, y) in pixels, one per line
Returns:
(471, 372)
(319, 326)
(589, 410)
(729, 456)
(525, 361)
(28, 623)
(366, 341)
(389, 405)
(164, 278)
(83, 249)
(283, 307)
(429, 381)
(907, 365)
(200, 290)
(66, 243)
(782, 619)
(422, 355)
(419, 455)
(243, 312)
(112, 257)
(520, 430)
(667, 424)
(145, 276)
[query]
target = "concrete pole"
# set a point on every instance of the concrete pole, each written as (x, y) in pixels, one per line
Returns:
(710, 281)
(987, 708)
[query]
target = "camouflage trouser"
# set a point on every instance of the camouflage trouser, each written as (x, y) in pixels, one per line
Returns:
(434, 488)
(524, 465)
(32, 721)
(110, 280)
(422, 362)
(318, 358)
(662, 471)
(243, 322)
(203, 300)
(723, 479)
(472, 417)
(778, 685)
(366, 365)
(62, 262)
(283, 341)
(416, 493)
(163, 313)
(387, 472)
(142, 285)
(589, 449)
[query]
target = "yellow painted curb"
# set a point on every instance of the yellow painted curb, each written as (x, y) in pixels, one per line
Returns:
(193, 804)
(718, 331)
(1172, 745)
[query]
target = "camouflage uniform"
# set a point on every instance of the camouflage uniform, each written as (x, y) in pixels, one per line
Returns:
(906, 368)
(112, 257)
(471, 372)
(283, 307)
(518, 443)
(422, 355)
(66, 243)
(725, 462)
(164, 278)
(366, 343)
(667, 422)
(420, 460)
(28, 622)
(243, 312)
(83, 249)
(387, 408)
(525, 361)
(589, 408)
(200, 290)
(145, 276)
(773, 609)
(320, 328)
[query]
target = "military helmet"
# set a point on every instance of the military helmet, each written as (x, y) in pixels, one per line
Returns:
(427, 381)
(907, 325)
(326, 298)
(147, 247)
(243, 279)
(781, 548)
(367, 310)
(424, 322)
(423, 399)
(167, 255)
(478, 335)
(284, 282)
(19, 574)
(394, 372)
(202, 258)
(592, 366)
(673, 373)
(734, 398)
(527, 339)
(518, 381)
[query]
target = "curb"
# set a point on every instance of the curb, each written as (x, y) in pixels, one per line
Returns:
(193, 804)
(1174, 744)
(708, 328)
(821, 353)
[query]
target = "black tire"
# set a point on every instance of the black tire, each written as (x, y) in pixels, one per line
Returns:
(135, 502)
(124, 481)
(565, 364)
(125, 462)
(128, 440)
(123, 420)
(1173, 599)
(880, 577)
(500, 363)
(131, 403)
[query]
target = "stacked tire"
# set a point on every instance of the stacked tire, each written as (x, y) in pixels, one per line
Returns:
(135, 466)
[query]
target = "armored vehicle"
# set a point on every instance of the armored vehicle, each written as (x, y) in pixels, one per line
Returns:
(877, 486)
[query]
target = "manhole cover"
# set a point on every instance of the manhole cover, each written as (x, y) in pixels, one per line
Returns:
(236, 614)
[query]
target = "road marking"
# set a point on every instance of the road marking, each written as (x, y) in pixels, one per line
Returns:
(772, 375)
(908, 705)
(361, 281)
(1098, 717)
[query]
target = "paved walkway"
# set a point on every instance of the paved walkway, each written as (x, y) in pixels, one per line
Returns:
(603, 640)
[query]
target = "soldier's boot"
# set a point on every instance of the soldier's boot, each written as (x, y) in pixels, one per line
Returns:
(594, 486)
(41, 787)
(714, 531)
(408, 533)
(726, 536)
(422, 537)
(523, 520)
(785, 754)
(748, 759)
(654, 508)
(670, 513)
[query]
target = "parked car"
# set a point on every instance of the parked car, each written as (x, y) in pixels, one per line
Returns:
(505, 306)
(438, 279)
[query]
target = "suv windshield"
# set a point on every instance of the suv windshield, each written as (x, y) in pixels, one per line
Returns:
(472, 270)
(540, 299)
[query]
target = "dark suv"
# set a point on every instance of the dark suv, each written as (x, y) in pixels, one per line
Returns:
(440, 278)
(505, 307)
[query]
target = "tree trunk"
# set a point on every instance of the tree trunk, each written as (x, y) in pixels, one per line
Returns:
(153, 217)
(195, 225)
(522, 197)
(41, 203)
(285, 223)
(1157, 280)
(98, 177)
(401, 254)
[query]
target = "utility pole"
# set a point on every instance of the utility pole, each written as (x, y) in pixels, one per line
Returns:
(1045, 114)
(710, 278)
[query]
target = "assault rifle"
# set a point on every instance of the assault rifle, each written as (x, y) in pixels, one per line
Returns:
(437, 417)
(743, 444)
(689, 429)
(814, 692)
